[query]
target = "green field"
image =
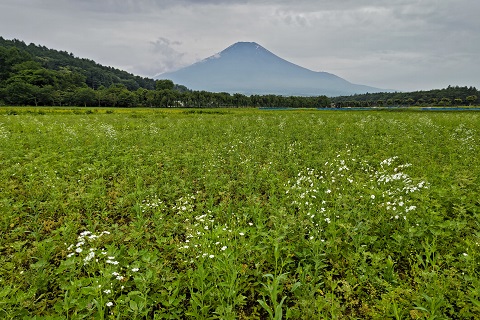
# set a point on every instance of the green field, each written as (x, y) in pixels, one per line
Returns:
(239, 214)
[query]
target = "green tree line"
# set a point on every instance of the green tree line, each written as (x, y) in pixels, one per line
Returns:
(450, 96)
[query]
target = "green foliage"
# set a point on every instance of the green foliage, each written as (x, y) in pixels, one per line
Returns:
(435, 97)
(238, 214)
(94, 75)
(164, 85)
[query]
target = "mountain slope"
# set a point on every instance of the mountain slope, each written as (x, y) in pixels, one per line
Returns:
(248, 68)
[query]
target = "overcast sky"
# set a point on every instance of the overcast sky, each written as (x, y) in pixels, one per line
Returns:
(396, 44)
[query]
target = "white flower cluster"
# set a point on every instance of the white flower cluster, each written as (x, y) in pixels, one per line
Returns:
(200, 234)
(100, 260)
(304, 186)
(83, 238)
(4, 134)
(308, 191)
(399, 186)
(152, 203)
(315, 193)
(388, 162)
(108, 130)
(466, 137)
(184, 204)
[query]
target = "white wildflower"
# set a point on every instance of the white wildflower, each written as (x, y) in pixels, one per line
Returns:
(89, 257)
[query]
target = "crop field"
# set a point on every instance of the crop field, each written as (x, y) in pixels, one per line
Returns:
(239, 214)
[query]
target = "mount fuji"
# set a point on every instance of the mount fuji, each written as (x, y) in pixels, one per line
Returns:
(249, 68)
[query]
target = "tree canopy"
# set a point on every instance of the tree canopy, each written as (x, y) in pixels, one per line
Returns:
(450, 96)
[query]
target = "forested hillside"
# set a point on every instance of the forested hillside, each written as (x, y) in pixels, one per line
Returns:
(35, 75)
(93, 75)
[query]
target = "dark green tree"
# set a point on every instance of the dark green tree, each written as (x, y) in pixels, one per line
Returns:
(112, 94)
(20, 93)
(84, 97)
(471, 99)
(164, 85)
(445, 101)
(127, 99)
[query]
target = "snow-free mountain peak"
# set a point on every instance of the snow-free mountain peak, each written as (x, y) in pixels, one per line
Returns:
(249, 68)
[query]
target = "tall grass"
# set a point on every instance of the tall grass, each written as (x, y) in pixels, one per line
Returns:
(239, 214)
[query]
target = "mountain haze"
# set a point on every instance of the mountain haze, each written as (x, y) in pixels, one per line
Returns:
(249, 68)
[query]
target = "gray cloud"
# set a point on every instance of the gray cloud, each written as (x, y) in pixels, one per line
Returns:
(171, 58)
(400, 44)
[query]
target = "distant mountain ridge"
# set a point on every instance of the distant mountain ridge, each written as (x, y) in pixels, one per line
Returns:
(249, 68)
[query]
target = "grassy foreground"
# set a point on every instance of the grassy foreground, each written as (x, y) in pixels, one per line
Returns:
(239, 214)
